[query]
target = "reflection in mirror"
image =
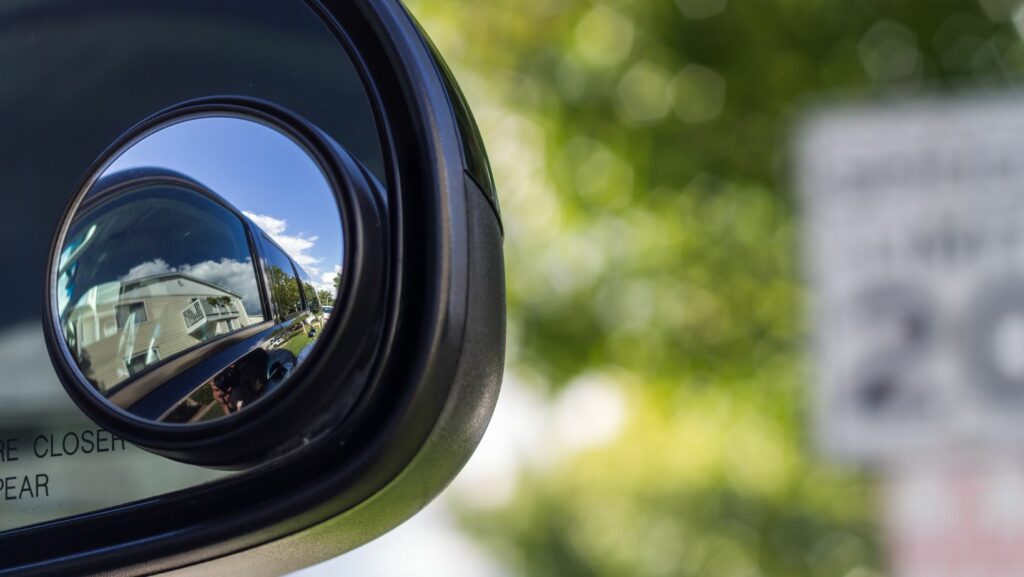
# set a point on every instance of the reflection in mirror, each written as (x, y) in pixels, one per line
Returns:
(199, 269)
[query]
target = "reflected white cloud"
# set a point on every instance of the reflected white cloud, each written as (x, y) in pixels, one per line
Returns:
(297, 246)
(259, 171)
(146, 269)
(326, 280)
(231, 275)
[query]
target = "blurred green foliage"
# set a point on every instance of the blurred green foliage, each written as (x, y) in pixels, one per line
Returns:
(641, 154)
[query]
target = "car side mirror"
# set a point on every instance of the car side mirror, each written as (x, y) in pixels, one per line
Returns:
(260, 311)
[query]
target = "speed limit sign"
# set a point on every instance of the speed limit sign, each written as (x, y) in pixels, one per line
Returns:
(913, 233)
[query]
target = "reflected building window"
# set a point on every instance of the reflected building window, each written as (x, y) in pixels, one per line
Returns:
(139, 362)
(134, 313)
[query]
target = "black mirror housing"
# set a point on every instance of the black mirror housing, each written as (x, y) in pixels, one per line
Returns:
(398, 391)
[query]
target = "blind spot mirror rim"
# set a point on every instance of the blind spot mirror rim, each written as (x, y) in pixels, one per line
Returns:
(360, 204)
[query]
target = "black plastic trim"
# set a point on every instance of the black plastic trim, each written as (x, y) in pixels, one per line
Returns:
(474, 155)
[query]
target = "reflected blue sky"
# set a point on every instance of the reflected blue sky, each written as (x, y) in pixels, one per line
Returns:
(261, 172)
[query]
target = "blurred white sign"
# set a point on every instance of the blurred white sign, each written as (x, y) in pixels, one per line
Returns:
(914, 235)
(962, 520)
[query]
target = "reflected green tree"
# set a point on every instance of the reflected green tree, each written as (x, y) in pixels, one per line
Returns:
(640, 150)
(326, 297)
(312, 297)
(284, 290)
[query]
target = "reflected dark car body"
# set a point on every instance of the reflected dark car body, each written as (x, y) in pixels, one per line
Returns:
(193, 384)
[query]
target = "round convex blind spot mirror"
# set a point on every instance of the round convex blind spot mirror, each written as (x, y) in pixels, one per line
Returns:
(198, 271)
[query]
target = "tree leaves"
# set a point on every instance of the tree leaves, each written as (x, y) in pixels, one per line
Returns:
(641, 156)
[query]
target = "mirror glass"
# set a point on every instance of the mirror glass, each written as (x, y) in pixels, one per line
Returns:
(199, 269)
